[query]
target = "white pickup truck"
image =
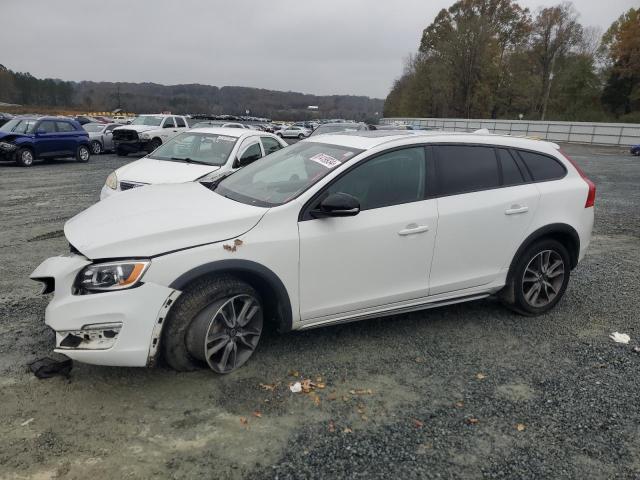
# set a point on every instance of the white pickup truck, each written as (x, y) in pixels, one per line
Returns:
(147, 132)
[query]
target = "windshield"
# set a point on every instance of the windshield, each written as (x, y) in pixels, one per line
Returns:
(206, 148)
(93, 127)
(19, 125)
(149, 120)
(344, 127)
(285, 174)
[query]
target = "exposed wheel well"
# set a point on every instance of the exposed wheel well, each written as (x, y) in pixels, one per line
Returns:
(563, 233)
(276, 301)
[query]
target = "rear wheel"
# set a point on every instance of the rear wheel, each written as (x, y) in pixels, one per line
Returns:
(96, 148)
(217, 322)
(83, 154)
(301, 136)
(24, 157)
(539, 279)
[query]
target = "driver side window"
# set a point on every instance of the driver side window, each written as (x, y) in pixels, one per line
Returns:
(169, 123)
(390, 179)
(251, 154)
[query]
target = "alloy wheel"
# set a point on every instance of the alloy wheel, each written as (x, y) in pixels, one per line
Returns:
(95, 146)
(232, 333)
(84, 154)
(543, 278)
(27, 157)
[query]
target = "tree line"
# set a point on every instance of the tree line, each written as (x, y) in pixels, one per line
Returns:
(495, 59)
(25, 89)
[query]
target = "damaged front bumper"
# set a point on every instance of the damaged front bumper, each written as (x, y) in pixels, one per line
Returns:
(7, 151)
(118, 328)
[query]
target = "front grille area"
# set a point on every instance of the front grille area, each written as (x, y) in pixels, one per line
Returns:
(130, 185)
(125, 135)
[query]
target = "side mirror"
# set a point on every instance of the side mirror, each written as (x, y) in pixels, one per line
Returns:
(110, 132)
(337, 205)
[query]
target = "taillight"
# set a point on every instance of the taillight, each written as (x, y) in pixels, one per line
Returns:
(591, 196)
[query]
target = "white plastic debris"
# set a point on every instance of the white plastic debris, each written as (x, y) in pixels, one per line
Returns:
(27, 422)
(620, 337)
(296, 387)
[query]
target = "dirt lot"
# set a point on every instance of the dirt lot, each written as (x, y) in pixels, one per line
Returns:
(465, 391)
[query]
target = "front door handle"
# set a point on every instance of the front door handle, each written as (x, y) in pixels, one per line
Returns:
(413, 228)
(516, 209)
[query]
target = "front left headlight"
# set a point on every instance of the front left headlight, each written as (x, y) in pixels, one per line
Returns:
(112, 181)
(106, 277)
(145, 136)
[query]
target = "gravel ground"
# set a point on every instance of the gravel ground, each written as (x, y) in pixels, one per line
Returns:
(465, 391)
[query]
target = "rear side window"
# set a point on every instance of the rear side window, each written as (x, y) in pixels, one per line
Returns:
(180, 122)
(169, 123)
(542, 167)
(511, 174)
(64, 127)
(463, 169)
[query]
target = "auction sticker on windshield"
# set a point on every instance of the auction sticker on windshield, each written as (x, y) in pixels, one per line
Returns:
(325, 160)
(222, 138)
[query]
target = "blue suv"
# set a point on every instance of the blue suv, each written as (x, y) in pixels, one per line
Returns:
(24, 139)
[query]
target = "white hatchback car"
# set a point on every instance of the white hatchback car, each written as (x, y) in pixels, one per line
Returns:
(203, 154)
(338, 229)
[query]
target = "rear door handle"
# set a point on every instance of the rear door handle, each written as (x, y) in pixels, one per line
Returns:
(413, 229)
(516, 209)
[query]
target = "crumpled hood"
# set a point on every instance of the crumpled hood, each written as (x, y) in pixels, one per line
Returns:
(11, 135)
(156, 219)
(137, 128)
(149, 170)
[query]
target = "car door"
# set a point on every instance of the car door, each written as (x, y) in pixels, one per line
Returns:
(378, 257)
(485, 207)
(67, 137)
(168, 129)
(107, 137)
(47, 141)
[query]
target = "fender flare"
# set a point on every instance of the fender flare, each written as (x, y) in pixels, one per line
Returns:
(546, 231)
(246, 269)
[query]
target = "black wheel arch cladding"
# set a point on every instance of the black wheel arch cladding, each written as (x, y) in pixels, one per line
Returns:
(266, 282)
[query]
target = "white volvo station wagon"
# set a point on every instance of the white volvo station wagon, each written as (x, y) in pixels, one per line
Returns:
(334, 229)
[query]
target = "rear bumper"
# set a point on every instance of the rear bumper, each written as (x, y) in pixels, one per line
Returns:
(120, 328)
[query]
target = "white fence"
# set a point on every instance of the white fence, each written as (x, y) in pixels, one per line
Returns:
(623, 134)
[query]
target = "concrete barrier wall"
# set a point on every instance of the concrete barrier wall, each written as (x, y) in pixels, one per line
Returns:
(623, 134)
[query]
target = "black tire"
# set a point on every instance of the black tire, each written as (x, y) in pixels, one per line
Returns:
(153, 144)
(300, 137)
(538, 292)
(96, 147)
(121, 152)
(83, 154)
(25, 157)
(184, 328)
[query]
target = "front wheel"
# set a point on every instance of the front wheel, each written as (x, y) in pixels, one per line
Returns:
(539, 278)
(24, 157)
(217, 322)
(83, 154)
(300, 137)
(154, 144)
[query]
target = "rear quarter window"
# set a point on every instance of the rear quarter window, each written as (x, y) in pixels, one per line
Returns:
(462, 168)
(542, 167)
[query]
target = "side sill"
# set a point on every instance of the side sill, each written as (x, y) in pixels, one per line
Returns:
(395, 311)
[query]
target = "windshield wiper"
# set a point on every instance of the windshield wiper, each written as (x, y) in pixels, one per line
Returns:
(213, 185)
(190, 160)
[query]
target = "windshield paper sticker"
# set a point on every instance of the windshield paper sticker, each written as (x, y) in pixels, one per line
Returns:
(225, 139)
(325, 160)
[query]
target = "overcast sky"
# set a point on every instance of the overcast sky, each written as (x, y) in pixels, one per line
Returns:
(323, 47)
